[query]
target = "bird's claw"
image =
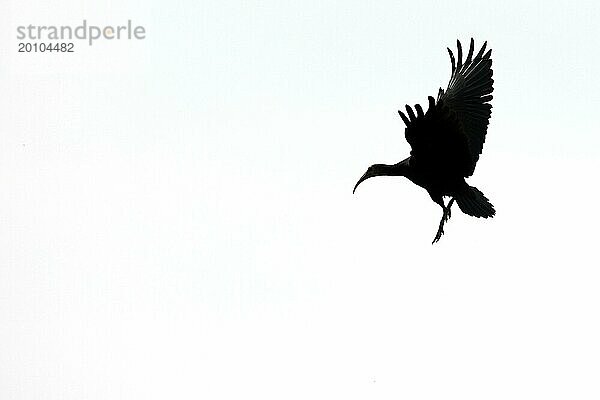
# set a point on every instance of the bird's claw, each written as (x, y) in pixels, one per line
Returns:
(438, 235)
(445, 218)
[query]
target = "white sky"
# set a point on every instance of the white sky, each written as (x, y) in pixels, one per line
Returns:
(176, 216)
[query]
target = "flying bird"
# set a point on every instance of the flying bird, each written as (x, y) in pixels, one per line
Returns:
(448, 138)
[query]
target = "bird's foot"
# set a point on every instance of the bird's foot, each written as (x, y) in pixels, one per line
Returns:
(438, 236)
(439, 233)
(445, 217)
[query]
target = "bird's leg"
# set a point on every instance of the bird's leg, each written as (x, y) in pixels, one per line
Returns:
(445, 217)
(448, 212)
(440, 231)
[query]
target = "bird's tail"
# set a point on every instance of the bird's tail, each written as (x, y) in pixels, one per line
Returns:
(472, 202)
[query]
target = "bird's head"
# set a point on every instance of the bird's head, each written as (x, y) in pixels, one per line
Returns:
(380, 170)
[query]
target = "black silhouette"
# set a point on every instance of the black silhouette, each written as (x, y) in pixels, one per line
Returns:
(446, 141)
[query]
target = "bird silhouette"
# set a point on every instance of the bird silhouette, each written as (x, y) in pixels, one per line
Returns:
(448, 138)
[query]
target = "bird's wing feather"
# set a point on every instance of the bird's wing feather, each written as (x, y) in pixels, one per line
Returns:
(468, 96)
(439, 146)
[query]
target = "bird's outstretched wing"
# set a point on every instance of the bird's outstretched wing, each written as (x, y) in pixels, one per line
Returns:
(468, 96)
(439, 145)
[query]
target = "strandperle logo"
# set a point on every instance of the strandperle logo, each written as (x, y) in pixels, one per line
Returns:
(87, 32)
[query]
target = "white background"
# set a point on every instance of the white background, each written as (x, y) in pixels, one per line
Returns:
(176, 216)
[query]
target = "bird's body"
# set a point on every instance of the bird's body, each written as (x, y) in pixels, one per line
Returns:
(446, 141)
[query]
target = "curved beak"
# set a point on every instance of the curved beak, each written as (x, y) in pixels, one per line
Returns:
(366, 176)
